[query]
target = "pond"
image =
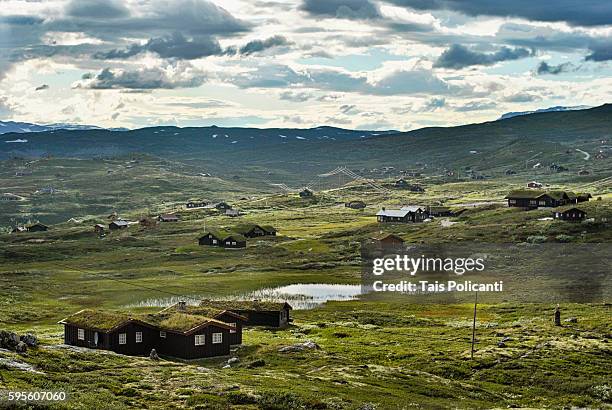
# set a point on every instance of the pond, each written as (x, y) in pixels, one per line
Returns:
(300, 295)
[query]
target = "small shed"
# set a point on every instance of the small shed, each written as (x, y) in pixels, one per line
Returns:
(572, 214)
(306, 193)
(387, 240)
(355, 204)
(168, 218)
(37, 227)
(222, 206)
(118, 224)
(438, 211)
(534, 184)
(19, 229)
(99, 229)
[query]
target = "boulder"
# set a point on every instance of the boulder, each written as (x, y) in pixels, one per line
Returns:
(233, 360)
(501, 344)
(21, 348)
(8, 340)
(299, 347)
(571, 320)
(153, 355)
(256, 363)
(29, 339)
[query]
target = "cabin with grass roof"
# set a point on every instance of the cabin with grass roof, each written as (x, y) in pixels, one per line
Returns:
(233, 319)
(172, 333)
(256, 312)
(532, 199)
(250, 230)
(223, 239)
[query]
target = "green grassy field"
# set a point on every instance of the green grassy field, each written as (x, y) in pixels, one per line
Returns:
(382, 354)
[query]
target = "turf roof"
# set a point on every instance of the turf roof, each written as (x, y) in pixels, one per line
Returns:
(96, 319)
(243, 305)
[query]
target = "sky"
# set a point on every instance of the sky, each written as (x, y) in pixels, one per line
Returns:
(359, 64)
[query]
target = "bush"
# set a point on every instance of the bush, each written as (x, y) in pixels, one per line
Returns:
(537, 239)
(564, 238)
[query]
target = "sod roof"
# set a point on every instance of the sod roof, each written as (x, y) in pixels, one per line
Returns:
(206, 311)
(97, 319)
(179, 322)
(244, 305)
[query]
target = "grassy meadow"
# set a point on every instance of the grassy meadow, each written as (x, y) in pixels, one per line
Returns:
(383, 353)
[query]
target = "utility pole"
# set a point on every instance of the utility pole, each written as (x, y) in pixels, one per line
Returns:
(474, 326)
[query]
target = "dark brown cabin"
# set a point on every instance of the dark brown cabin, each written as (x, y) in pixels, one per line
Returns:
(388, 241)
(405, 214)
(532, 199)
(118, 224)
(306, 193)
(172, 334)
(168, 218)
(572, 214)
(257, 313)
(99, 229)
(355, 205)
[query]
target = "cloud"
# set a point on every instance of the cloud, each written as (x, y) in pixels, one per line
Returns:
(295, 96)
(257, 46)
(458, 56)
(173, 76)
(577, 13)
(42, 87)
(434, 104)
(97, 9)
(476, 106)
(522, 97)
(545, 68)
(397, 82)
(344, 9)
(600, 52)
(173, 46)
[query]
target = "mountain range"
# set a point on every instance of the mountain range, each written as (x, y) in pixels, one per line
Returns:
(554, 136)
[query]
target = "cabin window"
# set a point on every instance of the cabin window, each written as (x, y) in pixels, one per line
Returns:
(200, 340)
(533, 202)
(542, 203)
(81, 334)
(122, 338)
(138, 337)
(217, 338)
(512, 201)
(233, 329)
(233, 243)
(162, 334)
(214, 241)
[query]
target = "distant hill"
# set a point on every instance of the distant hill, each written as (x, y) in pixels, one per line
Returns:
(24, 127)
(551, 109)
(302, 153)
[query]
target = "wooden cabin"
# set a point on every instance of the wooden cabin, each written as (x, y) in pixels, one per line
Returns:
(19, 229)
(532, 199)
(257, 313)
(37, 227)
(387, 240)
(405, 214)
(233, 241)
(306, 193)
(118, 224)
(168, 218)
(223, 239)
(572, 214)
(250, 230)
(233, 319)
(534, 184)
(195, 204)
(222, 206)
(232, 213)
(439, 211)
(583, 197)
(174, 334)
(401, 183)
(99, 229)
(355, 204)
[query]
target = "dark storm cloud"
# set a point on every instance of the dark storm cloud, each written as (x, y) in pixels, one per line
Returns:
(174, 46)
(149, 78)
(578, 13)
(601, 51)
(347, 9)
(458, 56)
(97, 9)
(545, 68)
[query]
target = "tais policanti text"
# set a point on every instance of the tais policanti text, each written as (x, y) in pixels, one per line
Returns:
(436, 286)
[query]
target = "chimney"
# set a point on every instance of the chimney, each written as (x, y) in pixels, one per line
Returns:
(182, 305)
